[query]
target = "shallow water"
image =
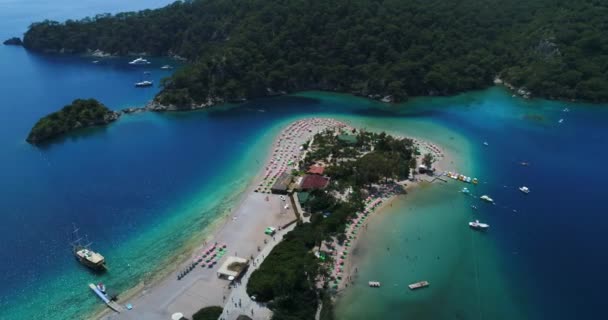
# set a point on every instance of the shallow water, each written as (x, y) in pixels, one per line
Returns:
(538, 243)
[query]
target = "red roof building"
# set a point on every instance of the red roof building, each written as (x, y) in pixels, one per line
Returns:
(313, 181)
(315, 169)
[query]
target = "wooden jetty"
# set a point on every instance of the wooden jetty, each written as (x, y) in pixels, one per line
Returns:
(419, 285)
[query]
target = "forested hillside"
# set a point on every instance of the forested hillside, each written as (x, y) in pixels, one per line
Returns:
(247, 48)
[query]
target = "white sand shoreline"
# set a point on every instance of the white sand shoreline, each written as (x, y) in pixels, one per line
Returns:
(241, 229)
(353, 261)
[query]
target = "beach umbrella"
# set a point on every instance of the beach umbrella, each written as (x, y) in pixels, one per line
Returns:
(177, 316)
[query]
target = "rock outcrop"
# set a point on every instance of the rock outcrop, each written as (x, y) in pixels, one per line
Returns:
(14, 41)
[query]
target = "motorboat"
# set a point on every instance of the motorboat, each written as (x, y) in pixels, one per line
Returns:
(486, 198)
(478, 225)
(560, 120)
(418, 285)
(166, 67)
(465, 190)
(524, 189)
(139, 61)
(485, 143)
(144, 83)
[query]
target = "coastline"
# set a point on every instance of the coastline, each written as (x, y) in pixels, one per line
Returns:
(243, 232)
(102, 312)
(222, 230)
(352, 261)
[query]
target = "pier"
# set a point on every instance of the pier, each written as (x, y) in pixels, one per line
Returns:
(111, 304)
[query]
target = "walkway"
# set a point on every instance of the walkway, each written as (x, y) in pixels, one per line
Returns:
(238, 302)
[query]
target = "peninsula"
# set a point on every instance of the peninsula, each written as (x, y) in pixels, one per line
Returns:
(79, 114)
(384, 50)
(281, 253)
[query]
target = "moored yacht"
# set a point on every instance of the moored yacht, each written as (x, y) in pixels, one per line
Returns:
(144, 83)
(486, 198)
(524, 189)
(478, 225)
(139, 61)
(86, 256)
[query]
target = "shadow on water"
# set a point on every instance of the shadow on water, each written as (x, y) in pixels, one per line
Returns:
(73, 136)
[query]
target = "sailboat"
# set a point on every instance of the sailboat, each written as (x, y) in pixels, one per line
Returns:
(84, 254)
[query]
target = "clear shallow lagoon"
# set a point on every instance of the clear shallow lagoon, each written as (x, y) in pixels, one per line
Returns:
(144, 188)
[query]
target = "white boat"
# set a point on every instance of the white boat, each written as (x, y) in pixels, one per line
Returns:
(560, 121)
(478, 225)
(566, 110)
(465, 190)
(166, 67)
(486, 198)
(418, 285)
(524, 189)
(485, 143)
(144, 83)
(374, 284)
(139, 61)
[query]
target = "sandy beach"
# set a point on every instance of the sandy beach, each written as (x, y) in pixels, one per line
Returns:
(242, 234)
(443, 162)
(195, 283)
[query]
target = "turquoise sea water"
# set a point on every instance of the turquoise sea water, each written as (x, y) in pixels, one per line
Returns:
(146, 188)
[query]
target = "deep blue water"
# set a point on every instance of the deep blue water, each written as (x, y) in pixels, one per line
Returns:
(127, 185)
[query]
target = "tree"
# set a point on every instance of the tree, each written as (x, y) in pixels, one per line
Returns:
(412, 165)
(427, 161)
(208, 313)
(375, 48)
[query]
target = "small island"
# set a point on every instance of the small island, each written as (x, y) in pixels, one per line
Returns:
(14, 41)
(81, 113)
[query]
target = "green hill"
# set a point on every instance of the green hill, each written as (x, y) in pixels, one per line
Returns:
(79, 114)
(399, 48)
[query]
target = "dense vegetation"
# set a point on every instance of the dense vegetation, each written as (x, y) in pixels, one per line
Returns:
(79, 114)
(248, 48)
(208, 313)
(289, 277)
